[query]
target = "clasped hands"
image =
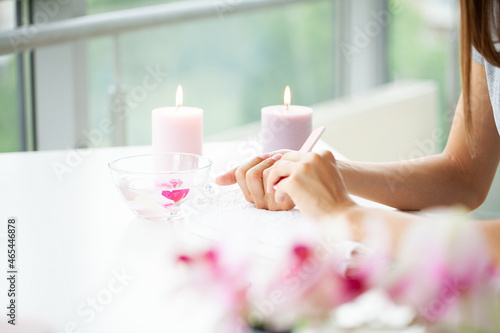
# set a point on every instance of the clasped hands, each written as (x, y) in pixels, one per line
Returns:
(310, 181)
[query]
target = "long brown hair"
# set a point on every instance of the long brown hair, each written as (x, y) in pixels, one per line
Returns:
(478, 29)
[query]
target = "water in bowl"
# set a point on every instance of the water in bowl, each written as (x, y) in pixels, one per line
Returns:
(161, 201)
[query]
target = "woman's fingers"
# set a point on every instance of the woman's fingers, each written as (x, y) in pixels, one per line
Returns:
(229, 178)
(254, 181)
(271, 203)
(241, 175)
(279, 171)
(312, 180)
(294, 156)
(281, 191)
(292, 188)
(300, 176)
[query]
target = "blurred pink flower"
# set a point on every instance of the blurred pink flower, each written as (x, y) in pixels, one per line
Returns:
(216, 277)
(440, 266)
(441, 270)
(300, 287)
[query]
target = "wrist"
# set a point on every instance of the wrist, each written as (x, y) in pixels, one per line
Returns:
(337, 209)
(344, 167)
(353, 215)
(349, 174)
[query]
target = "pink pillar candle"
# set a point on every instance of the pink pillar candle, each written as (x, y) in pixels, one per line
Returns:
(285, 126)
(177, 130)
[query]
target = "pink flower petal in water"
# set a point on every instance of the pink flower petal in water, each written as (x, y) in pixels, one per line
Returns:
(175, 195)
(175, 183)
(172, 183)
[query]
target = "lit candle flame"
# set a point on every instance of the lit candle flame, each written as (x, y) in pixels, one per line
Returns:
(288, 97)
(179, 96)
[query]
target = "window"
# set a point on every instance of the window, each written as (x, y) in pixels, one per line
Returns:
(230, 66)
(9, 131)
(424, 45)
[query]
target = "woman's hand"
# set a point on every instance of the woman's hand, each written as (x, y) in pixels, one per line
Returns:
(312, 181)
(252, 177)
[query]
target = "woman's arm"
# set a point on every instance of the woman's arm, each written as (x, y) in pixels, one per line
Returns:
(315, 184)
(398, 223)
(453, 177)
(491, 231)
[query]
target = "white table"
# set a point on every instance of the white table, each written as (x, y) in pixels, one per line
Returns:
(75, 237)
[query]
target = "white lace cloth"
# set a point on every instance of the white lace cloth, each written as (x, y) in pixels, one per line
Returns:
(229, 214)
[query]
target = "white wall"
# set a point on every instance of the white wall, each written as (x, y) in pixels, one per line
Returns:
(393, 122)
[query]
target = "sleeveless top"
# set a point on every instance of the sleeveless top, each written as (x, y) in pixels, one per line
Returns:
(493, 78)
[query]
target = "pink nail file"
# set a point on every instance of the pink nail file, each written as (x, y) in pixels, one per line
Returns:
(312, 139)
(309, 144)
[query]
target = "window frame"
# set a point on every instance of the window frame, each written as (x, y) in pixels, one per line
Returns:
(54, 113)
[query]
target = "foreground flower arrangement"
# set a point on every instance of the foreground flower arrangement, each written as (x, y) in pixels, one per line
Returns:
(441, 270)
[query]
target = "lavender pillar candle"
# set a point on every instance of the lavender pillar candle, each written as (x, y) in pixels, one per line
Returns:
(285, 126)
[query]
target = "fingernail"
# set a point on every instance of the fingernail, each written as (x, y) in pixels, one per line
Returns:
(265, 156)
(277, 157)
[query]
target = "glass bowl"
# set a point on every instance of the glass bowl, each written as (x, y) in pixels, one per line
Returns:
(156, 186)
